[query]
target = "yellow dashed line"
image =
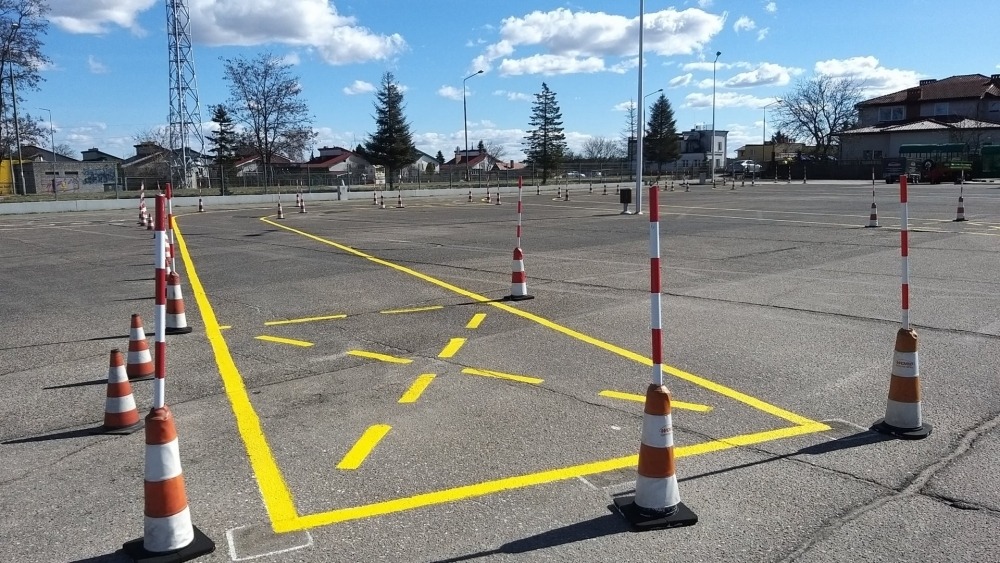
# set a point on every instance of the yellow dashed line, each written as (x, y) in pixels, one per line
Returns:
(501, 375)
(304, 320)
(279, 340)
(364, 446)
(225, 327)
(380, 357)
(412, 310)
(476, 320)
(453, 346)
(642, 399)
(413, 393)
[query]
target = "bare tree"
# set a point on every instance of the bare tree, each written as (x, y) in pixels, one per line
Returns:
(818, 108)
(601, 149)
(628, 134)
(495, 149)
(23, 23)
(155, 135)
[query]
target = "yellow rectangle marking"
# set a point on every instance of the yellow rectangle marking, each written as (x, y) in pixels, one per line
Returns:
(280, 340)
(412, 310)
(642, 399)
(476, 320)
(502, 375)
(304, 320)
(413, 393)
(380, 357)
(452, 348)
(225, 327)
(364, 446)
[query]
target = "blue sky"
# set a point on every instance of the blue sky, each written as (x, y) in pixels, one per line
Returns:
(108, 79)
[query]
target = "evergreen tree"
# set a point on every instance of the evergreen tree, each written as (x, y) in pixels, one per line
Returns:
(661, 143)
(440, 158)
(546, 142)
(481, 147)
(391, 145)
(224, 144)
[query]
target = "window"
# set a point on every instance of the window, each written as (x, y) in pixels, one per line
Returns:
(994, 106)
(941, 108)
(891, 113)
(866, 154)
(877, 155)
(719, 147)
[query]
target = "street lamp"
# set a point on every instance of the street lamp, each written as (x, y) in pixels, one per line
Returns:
(465, 122)
(763, 134)
(52, 141)
(712, 139)
(640, 135)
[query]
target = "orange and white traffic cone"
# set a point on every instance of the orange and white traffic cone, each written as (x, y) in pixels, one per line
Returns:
(566, 196)
(168, 534)
(374, 198)
(399, 200)
(498, 196)
(281, 212)
(302, 205)
(470, 196)
(381, 204)
(201, 206)
(960, 214)
(657, 502)
(176, 319)
(149, 221)
(903, 417)
(120, 413)
(518, 279)
(139, 361)
(873, 218)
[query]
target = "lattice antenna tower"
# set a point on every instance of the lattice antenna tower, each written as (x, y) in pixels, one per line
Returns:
(185, 112)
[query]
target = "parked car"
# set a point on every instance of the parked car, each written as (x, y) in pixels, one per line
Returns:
(575, 174)
(746, 167)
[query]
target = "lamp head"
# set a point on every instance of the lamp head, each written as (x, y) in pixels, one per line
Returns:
(718, 54)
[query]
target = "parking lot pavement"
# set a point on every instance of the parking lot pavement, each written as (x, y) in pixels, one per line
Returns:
(356, 389)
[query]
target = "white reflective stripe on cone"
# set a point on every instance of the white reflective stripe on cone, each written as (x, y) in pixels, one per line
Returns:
(518, 266)
(903, 415)
(657, 431)
(136, 334)
(139, 356)
(905, 364)
(168, 534)
(178, 320)
(174, 292)
(162, 461)
(657, 493)
(518, 289)
(119, 404)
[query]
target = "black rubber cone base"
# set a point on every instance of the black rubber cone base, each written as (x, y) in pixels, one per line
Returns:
(641, 522)
(201, 545)
(918, 433)
(518, 297)
(959, 220)
(119, 431)
(180, 330)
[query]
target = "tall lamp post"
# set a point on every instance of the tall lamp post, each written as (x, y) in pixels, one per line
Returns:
(52, 141)
(763, 136)
(465, 123)
(640, 137)
(639, 119)
(712, 138)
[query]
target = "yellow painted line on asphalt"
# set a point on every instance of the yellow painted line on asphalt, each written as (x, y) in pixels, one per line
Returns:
(528, 480)
(642, 399)
(273, 488)
(412, 310)
(279, 340)
(452, 347)
(502, 375)
(634, 356)
(380, 357)
(305, 320)
(476, 320)
(364, 446)
(413, 393)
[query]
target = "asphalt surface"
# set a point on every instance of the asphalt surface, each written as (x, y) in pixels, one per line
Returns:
(354, 388)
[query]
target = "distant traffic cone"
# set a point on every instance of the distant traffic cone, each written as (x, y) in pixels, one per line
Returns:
(558, 192)
(873, 218)
(591, 192)
(168, 534)
(657, 502)
(149, 222)
(298, 199)
(903, 417)
(374, 198)
(498, 196)
(201, 206)
(399, 200)
(566, 195)
(120, 414)
(470, 196)
(381, 204)
(281, 212)
(139, 363)
(176, 319)
(617, 190)
(960, 214)
(142, 214)
(518, 279)
(538, 189)
(605, 190)
(302, 205)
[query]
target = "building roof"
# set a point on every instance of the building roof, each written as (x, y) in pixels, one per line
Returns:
(926, 124)
(954, 87)
(31, 152)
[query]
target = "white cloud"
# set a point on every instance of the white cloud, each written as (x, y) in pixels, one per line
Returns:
(582, 40)
(359, 87)
(704, 3)
(682, 80)
(771, 7)
(450, 92)
(292, 59)
(95, 66)
(707, 65)
(723, 100)
(96, 16)
(744, 24)
(624, 106)
(767, 74)
(875, 78)
(762, 33)
(514, 96)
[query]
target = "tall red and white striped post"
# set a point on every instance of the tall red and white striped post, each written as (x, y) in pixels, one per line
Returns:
(167, 527)
(656, 503)
(142, 204)
(170, 228)
(518, 279)
(903, 417)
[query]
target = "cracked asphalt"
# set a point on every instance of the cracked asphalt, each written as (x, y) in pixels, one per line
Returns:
(780, 311)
